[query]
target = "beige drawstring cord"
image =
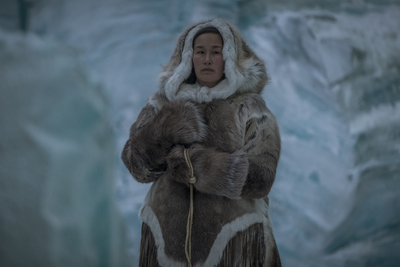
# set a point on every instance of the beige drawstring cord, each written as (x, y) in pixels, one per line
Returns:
(192, 180)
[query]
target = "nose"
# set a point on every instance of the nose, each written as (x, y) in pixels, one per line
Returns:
(207, 60)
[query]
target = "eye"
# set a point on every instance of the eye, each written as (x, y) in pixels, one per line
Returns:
(216, 52)
(199, 52)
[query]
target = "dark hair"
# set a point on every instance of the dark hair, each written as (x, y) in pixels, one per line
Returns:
(192, 77)
(206, 30)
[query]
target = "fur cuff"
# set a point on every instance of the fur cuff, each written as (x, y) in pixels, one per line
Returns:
(217, 172)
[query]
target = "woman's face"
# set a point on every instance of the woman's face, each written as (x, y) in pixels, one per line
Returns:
(207, 59)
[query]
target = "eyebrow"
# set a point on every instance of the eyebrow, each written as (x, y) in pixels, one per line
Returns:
(214, 46)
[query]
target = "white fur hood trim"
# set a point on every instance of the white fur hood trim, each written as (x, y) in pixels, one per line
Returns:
(244, 71)
(200, 94)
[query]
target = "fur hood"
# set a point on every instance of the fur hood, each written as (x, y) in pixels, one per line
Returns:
(244, 71)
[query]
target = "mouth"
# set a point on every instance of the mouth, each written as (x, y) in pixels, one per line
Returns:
(207, 70)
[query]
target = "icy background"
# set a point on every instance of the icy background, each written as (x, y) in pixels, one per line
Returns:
(65, 197)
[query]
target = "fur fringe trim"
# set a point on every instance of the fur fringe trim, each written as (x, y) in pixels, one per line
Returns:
(245, 249)
(148, 249)
(221, 243)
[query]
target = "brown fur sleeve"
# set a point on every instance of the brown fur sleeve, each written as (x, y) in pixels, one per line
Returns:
(155, 133)
(134, 156)
(262, 147)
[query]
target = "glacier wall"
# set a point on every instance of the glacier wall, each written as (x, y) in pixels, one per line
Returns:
(57, 160)
(339, 81)
(335, 90)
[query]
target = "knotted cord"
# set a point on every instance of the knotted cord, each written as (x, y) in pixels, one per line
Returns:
(192, 180)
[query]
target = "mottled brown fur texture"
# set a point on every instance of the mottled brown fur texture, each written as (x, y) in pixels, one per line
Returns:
(234, 146)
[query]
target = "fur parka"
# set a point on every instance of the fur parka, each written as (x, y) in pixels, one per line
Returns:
(234, 146)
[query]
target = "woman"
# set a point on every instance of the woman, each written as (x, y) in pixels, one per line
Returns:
(210, 146)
